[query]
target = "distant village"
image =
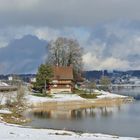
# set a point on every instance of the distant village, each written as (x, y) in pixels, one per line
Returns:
(116, 77)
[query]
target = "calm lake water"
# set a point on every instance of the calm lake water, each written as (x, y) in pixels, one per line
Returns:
(121, 120)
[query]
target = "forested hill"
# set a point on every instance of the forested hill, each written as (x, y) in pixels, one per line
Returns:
(91, 75)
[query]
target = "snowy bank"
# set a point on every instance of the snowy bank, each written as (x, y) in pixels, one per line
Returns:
(56, 98)
(74, 101)
(60, 97)
(13, 132)
(105, 94)
(3, 84)
(5, 111)
(10, 132)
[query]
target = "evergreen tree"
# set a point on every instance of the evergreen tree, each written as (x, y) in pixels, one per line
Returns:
(43, 77)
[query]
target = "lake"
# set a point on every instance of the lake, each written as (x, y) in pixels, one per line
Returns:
(123, 120)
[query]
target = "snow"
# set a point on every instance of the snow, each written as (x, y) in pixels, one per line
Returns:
(56, 98)
(3, 84)
(61, 97)
(5, 111)
(105, 94)
(13, 132)
(4, 96)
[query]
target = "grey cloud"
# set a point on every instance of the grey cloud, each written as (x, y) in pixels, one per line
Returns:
(67, 13)
(112, 46)
(109, 31)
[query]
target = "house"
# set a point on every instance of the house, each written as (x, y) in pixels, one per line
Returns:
(62, 80)
(10, 78)
(33, 79)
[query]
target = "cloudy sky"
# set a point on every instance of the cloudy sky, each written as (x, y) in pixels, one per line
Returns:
(108, 30)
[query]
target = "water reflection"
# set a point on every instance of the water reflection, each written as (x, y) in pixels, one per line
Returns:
(42, 114)
(128, 91)
(119, 120)
(75, 114)
(82, 113)
(55, 114)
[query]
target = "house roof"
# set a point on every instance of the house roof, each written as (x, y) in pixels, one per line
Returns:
(63, 73)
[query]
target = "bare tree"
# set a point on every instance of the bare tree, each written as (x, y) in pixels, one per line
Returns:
(65, 52)
(20, 95)
(105, 82)
(1, 97)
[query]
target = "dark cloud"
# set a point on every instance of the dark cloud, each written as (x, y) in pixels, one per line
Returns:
(23, 55)
(109, 31)
(60, 13)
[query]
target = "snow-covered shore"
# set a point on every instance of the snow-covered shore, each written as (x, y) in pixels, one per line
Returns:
(70, 97)
(13, 132)
(56, 98)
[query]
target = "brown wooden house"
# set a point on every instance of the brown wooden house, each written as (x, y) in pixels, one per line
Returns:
(62, 80)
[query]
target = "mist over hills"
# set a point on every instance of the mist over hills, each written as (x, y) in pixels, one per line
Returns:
(23, 55)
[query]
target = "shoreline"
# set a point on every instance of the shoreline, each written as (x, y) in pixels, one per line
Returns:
(78, 104)
(13, 132)
(30, 133)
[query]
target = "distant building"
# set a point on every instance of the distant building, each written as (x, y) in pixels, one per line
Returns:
(10, 78)
(62, 80)
(33, 79)
(134, 80)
